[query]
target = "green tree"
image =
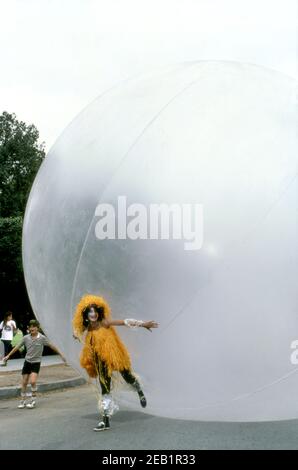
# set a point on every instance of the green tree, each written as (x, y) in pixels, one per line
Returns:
(10, 250)
(20, 158)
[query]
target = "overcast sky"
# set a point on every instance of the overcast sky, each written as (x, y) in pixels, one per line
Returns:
(58, 55)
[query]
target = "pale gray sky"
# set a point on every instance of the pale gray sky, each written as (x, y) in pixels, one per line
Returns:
(58, 55)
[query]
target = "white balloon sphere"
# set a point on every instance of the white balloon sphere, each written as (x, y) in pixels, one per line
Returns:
(218, 134)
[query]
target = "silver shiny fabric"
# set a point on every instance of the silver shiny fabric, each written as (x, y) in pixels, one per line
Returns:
(107, 406)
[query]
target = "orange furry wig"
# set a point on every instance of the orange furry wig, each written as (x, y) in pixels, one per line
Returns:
(85, 303)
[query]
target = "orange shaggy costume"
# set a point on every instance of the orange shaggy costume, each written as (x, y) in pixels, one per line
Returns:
(103, 344)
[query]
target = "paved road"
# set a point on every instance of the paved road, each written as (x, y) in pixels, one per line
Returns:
(65, 419)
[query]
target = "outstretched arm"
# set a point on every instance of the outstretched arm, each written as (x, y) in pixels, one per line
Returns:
(131, 323)
(15, 349)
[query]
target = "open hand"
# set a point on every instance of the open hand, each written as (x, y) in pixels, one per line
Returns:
(150, 324)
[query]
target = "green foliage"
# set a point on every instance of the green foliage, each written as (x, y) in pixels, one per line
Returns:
(20, 158)
(10, 250)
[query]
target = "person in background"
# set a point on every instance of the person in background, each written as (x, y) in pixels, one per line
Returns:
(8, 327)
(34, 343)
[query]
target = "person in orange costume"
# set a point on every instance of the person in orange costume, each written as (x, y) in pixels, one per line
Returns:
(103, 351)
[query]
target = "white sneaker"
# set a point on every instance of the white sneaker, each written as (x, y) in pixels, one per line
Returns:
(22, 404)
(31, 404)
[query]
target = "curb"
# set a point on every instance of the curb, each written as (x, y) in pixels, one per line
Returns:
(12, 392)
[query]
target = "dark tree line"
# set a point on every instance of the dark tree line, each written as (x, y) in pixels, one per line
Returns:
(20, 158)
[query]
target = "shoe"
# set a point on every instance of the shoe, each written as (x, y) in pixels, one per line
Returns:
(143, 400)
(106, 421)
(22, 404)
(31, 405)
(103, 425)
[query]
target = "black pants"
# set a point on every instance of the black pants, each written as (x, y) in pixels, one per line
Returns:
(105, 380)
(7, 346)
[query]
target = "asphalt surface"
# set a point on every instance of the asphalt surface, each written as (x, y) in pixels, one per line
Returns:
(65, 420)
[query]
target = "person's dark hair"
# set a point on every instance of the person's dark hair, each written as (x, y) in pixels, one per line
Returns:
(6, 315)
(99, 310)
(34, 323)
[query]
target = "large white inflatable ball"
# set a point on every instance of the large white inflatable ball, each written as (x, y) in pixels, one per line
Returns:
(218, 140)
